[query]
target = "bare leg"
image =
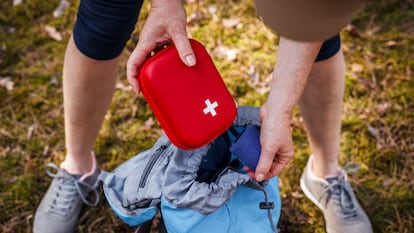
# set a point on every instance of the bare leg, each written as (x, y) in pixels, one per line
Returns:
(88, 88)
(321, 108)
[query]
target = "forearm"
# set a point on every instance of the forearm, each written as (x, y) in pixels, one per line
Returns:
(294, 62)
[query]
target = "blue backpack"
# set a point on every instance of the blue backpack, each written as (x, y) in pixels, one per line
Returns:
(196, 191)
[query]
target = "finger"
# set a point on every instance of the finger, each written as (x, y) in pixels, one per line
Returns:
(278, 165)
(135, 60)
(264, 165)
(132, 68)
(262, 112)
(134, 83)
(184, 48)
(132, 76)
(251, 174)
(249, 171)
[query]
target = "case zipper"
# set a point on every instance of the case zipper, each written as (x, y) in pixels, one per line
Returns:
(150, 165)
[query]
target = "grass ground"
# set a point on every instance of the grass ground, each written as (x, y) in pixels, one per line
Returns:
(378, 118)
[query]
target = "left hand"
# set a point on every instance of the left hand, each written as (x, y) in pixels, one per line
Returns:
(276, 144)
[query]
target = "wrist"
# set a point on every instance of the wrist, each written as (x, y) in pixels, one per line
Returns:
(157, 3)
(272, 109)
(280, 103)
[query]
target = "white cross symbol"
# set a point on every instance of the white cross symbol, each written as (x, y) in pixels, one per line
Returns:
(211, 107)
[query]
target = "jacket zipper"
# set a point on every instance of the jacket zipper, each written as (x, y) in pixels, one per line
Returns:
(150, 165)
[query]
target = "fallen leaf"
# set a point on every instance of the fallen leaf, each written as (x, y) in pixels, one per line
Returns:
(252, 73)
(230, 53)
(212, 9)
(230, 23)
(408, 72)
(149, 123)
(297, 194)
(391, 43)
(7, 83)
(260, 84)
(373, 132)
(30, 131)
(353, 30)
(357, 68)
(17, 2)
(45, 150)
(365, 113)
(54, 80)
(194, 18)
(53, 33)
(372, 31)
(14, 179)
(387, 182)
(382, 108)
(121, 86)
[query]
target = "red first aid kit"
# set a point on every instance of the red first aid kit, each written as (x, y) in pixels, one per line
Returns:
(192, 104)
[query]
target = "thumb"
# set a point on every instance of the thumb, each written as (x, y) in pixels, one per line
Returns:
(264, 165)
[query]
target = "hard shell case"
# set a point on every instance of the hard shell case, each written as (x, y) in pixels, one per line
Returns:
(192, 104)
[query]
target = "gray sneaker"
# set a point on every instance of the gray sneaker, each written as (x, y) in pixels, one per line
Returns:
(60, 207)
(335, 197)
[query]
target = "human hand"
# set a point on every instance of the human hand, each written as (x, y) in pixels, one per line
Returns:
(166, 21)
(276, 144)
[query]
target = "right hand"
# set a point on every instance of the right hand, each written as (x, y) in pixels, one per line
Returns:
(166, 21)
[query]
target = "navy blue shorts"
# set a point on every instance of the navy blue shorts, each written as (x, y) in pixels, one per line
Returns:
(329, 48)
(103, 27)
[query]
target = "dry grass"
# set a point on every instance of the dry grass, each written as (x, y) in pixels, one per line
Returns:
(378, 129)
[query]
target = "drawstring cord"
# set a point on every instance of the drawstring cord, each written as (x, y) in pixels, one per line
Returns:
(266, 205)
(269, 206)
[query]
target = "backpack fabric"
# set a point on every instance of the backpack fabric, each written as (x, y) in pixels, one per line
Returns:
(197, 191)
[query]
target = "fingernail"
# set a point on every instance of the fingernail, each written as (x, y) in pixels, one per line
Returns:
(260, 177)
(190, 60)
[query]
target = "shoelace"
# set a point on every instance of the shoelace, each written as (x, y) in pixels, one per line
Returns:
(336, 190)
(68, 189)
